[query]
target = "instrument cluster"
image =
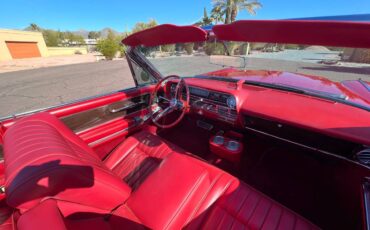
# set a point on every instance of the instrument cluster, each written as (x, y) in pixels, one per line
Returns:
(218, 105)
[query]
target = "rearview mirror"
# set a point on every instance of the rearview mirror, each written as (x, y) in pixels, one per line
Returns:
(231, 61)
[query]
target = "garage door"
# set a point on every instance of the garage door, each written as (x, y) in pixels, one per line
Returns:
(23, 49)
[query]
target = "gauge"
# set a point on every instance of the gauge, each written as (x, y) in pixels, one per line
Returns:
(231, 102)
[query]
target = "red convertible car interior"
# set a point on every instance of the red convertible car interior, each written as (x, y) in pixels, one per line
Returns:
(227, 149)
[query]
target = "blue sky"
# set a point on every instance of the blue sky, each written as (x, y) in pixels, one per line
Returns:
(121, 15)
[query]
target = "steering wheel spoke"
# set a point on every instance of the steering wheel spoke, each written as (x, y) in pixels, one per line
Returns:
(163, 113)
(176, 103)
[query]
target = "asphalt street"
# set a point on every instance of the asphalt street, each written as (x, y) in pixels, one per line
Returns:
(26, 90)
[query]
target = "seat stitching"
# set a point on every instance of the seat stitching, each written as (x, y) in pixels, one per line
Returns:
(267, 214)
(197, 207)
(224, 189)
(191, 192)
(241, 206)
(11, 176)
(295, 222)
(254, 210)
(123, 158)
(142, 174)
(281, 215)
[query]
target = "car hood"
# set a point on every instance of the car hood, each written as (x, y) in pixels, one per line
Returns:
(356, 91)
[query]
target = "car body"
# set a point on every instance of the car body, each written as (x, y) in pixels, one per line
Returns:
(301, 139)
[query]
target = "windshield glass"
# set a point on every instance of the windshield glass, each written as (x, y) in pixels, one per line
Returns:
(317, 69)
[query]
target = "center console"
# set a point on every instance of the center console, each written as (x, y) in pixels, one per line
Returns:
(228, 147)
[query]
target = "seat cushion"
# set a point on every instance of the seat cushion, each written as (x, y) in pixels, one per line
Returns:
(138, 156)
(173, 190)
(242, 207)
(44, 158)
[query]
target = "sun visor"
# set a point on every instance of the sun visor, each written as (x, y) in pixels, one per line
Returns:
(326, 33)
(166, 34)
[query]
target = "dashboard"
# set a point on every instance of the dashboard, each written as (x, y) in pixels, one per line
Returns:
(218, 105)
(312, 123)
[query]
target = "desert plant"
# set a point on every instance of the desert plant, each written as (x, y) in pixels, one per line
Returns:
(108, 47)
(168, 48)
(189, 48)
(212, 48)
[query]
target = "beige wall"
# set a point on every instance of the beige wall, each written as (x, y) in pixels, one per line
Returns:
(20, 36)
(58, 51)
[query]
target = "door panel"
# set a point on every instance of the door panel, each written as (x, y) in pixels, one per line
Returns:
(103, 122)
(93, 117)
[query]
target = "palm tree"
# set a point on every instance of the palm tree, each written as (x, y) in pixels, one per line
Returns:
(205, 21)
(34, 27)
(231, 8)
(217, 14)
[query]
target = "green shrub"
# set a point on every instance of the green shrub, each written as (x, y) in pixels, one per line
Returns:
(189, 48)
(108, 47)
(168, 48)
(212, 48)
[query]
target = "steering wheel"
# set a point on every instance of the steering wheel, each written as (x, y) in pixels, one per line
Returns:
(177, 102)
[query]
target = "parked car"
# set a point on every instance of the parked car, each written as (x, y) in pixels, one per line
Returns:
(233, 143)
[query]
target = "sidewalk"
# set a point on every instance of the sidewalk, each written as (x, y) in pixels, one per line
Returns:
(34, 63)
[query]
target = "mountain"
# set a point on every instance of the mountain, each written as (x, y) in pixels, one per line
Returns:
(82, 32)
(103, 32)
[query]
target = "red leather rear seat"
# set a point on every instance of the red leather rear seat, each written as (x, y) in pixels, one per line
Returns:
(170, 190)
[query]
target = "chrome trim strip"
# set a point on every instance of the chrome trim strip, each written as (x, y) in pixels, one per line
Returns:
(130, 106)
(366, 202)
(69, 103)
(111, 135)
(138, 121)
(307, 147)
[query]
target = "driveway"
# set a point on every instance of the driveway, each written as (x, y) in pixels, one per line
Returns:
(42, 62)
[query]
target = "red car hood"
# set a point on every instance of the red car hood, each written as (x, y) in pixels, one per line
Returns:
(356, 91)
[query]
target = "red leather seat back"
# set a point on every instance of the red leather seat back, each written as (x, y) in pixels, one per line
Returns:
(44, 158)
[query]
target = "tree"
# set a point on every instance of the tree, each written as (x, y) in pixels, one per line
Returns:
(52, 37)
(94, 35)
(110, 46)
(205, 20)
(143, 26)
(231, 8)
(73, 38)
(217, 14)
(34, 27)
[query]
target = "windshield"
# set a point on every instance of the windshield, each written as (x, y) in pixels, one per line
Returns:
(317, 69)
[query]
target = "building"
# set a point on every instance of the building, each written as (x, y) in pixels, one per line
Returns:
(17, 44)
(91, 44)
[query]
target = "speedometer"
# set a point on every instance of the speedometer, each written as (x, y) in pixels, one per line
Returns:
(231, 102)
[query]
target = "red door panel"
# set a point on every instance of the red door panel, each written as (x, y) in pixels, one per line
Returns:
(102, 122)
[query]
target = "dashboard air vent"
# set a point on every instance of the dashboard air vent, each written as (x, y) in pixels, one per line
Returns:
(363, 156)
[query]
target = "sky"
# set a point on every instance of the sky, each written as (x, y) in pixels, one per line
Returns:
(122, 15)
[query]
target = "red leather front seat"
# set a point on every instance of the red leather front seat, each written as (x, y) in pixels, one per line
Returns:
(145, 183)
(43, 158)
